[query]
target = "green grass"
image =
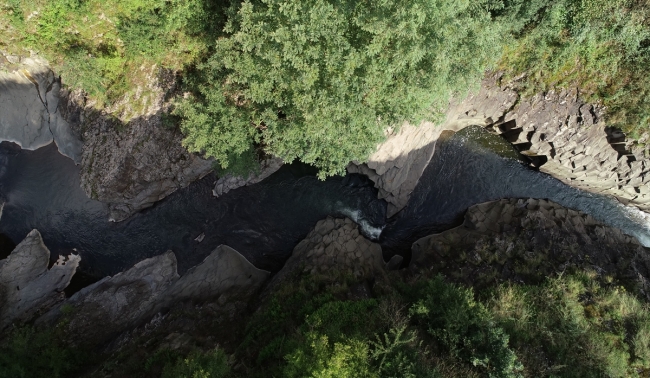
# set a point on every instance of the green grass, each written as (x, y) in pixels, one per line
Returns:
(108, 47)
(601, 46)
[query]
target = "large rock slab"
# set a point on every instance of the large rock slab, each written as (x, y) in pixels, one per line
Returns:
(108, 307)
(98, 313)
(224, 275)
(29, 105)
(26, 285)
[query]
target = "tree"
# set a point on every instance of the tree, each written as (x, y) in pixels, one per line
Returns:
(321, 80)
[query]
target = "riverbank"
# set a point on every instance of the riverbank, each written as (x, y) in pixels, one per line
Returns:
(558, 132)
(150, 316)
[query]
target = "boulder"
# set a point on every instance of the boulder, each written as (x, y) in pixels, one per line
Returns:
(27, 286)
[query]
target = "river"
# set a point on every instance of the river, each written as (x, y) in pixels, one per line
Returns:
(265, 221)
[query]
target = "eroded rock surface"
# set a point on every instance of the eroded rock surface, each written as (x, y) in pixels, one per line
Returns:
(230, 182)
(133, 160)
(336, 245)
(527, 240)
(225, 274)
(26, 285)
(29, 107)
(113, 304)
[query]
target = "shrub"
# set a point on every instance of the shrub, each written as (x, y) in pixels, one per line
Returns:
(465, 328)
(28, 353)
(211, 364)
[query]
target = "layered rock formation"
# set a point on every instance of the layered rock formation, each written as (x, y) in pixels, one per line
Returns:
(133, 160)
(527, 240)
(27, 287)
(29, 105)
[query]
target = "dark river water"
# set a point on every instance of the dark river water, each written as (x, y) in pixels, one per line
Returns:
(265, 221)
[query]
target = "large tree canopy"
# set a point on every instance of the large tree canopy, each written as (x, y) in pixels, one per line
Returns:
(321, 80)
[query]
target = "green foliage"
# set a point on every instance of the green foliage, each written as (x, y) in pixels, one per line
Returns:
(321, 80)
(465, 328)
(319, 359)
(584, 329)
(211, 364)
(107, 47)
(602, 46)
(27, 353)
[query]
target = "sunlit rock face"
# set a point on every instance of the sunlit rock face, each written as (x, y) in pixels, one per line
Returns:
(30, 94)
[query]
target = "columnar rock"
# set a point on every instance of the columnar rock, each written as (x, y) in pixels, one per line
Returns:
(336, 245)
(131, 159)
(398, 163)
(577, 146)
(530, 239)
(26, 285)
(230, 182)
(29, 106)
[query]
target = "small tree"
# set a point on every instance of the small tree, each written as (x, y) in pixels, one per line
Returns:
(320, 80)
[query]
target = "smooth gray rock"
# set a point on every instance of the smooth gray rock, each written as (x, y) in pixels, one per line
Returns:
(108, 307)
(225, 274)
(26, 285)
(29, 105)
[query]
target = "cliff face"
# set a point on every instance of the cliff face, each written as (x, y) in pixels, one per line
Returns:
(30, 107)
(130, 159)
(562, 135)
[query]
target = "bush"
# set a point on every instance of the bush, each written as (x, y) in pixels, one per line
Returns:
(465, 328)
(211, 364)
(320, 80)
(28, 353)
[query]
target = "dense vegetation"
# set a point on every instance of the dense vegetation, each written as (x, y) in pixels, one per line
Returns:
(579, 325)
(321, 80)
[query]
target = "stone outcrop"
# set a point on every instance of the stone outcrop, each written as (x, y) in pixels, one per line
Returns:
(26, 285)
(127, 299)
(528, 240)
(225, 275)
(561, 135)
(398, 163)
(230, 182)
(29, 107)
(133, 160)
(336, 245)
(113, 304)
(569, 140)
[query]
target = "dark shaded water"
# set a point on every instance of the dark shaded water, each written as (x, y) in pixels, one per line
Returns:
(265, 221)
